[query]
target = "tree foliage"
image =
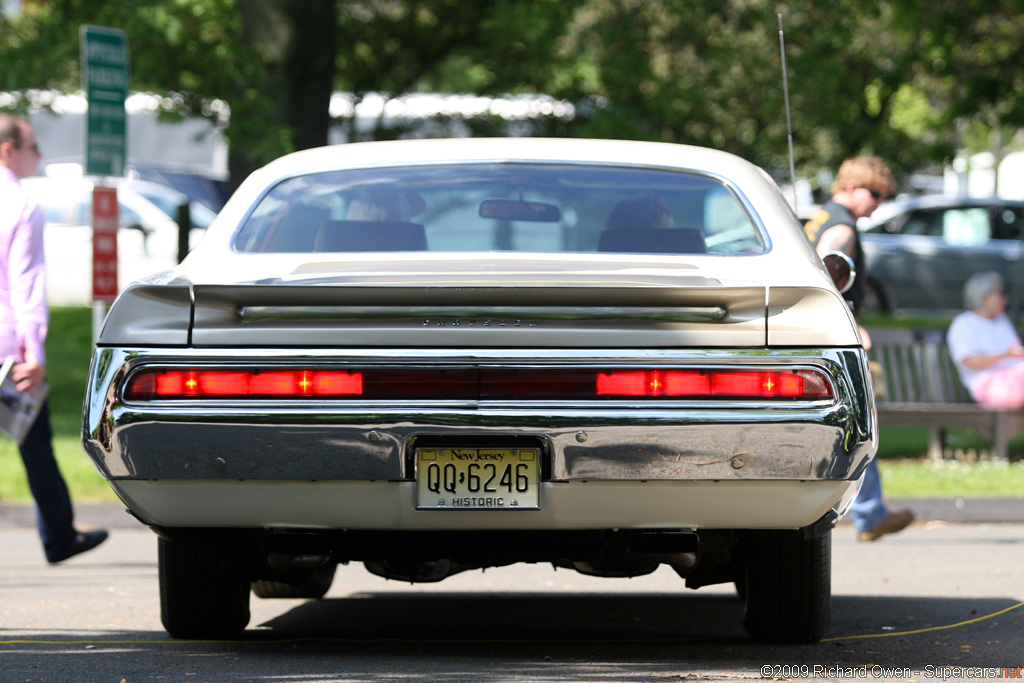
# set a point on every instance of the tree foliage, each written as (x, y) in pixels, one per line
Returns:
(269, 62)
(864, 77)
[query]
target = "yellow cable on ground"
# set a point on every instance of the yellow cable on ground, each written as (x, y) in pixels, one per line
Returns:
(926, 630)
(481, 640)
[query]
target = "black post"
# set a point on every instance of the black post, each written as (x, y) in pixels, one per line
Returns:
(184, 227)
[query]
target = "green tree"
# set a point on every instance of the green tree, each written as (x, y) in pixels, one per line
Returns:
(274, 64)
(448, 46)
(709, 73)
(971, 68)
(270, 62)
(864, 77)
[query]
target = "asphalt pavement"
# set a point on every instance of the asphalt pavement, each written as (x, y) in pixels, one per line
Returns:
(939, 601)
(942, 600)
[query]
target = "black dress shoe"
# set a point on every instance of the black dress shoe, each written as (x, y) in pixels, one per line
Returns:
(84, 540)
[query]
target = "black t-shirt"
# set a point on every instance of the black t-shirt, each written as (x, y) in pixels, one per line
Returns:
(830, 215)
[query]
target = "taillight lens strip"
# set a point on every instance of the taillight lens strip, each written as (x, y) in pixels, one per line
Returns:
(258, 383)
(158, 383)
(798, 383)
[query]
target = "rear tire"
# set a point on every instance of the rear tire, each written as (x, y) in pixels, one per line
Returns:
(204, 592)
(788, 583)
(316, 586)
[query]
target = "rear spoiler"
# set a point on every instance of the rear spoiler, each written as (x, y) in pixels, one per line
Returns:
(294, 316)
(483, 316)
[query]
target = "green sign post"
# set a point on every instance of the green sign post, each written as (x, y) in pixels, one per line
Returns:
(105, 75)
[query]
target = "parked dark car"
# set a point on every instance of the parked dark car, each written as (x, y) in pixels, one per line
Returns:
(198, 183)
(921, 250)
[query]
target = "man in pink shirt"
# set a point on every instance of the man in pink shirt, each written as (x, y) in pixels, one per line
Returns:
(24, 317)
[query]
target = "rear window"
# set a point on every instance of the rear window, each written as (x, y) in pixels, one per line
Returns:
(501, 207)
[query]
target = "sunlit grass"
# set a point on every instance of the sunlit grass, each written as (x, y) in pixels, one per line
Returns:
(84, 482)
(952, 479)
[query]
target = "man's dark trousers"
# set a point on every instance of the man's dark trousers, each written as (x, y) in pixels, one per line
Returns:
(54, 515)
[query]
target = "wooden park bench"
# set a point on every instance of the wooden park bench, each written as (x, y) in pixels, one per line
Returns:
(920, 387)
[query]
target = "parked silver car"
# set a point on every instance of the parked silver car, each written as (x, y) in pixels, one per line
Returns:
(921, 250)
(147, 242)
(436, 356)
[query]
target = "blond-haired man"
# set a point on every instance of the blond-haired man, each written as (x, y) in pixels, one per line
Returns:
(861, 185)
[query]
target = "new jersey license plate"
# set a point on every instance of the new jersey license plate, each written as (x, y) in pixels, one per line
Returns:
(478, 478)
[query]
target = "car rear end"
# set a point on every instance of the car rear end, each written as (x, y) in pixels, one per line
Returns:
(431, 411)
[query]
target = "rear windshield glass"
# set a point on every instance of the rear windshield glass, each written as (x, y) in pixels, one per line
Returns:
(501, 207)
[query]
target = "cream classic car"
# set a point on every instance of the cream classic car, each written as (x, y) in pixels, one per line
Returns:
(436, 356)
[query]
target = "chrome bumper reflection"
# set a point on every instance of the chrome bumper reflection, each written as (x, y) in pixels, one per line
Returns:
(348, 440)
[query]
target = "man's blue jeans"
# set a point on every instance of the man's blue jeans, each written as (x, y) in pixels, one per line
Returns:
(868, 510)
(54, 515)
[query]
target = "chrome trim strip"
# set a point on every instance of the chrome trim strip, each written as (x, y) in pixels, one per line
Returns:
(692, 314)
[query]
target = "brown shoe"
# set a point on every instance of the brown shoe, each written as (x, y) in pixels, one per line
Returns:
(896, 521)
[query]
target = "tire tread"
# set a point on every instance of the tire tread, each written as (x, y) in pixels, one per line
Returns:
(788, 586)
(203, 592)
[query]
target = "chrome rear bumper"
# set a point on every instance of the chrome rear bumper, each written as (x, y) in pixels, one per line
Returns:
(355, 440)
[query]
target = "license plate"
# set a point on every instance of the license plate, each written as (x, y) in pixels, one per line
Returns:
(478, 478)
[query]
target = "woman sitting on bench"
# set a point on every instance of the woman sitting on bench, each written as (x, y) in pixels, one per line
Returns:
(985, 347)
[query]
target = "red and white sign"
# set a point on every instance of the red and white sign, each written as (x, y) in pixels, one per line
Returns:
(104, 243)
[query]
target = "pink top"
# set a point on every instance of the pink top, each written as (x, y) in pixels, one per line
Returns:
(24, 315)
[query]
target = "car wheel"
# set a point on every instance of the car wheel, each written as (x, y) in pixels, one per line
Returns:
(874, 299)
(316, 586)
(203, 591)
(788, 586)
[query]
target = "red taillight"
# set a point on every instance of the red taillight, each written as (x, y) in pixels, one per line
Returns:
(654, 383)
(634, 383)
(801, 384)
(324, 383)
(476, 384)
(151, 384)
